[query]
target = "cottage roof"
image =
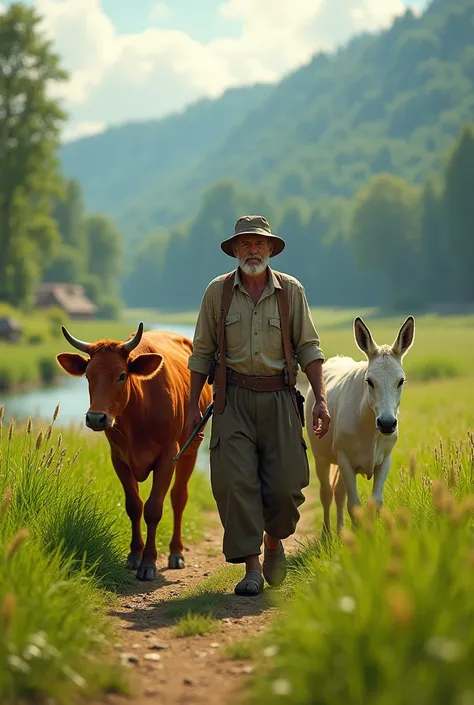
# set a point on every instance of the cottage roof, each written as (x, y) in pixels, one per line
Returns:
(71, 297)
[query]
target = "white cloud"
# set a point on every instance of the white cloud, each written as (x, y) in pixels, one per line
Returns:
(159, 11)
(115, 78)
(82, 129)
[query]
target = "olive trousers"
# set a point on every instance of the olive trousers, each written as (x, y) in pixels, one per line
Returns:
(259, 467)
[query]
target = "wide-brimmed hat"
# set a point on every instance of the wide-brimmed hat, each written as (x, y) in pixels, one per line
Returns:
(253, 225)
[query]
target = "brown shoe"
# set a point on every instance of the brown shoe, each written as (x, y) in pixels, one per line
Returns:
(274, 565)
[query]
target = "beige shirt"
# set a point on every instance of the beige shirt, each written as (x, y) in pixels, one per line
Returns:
(253, 340)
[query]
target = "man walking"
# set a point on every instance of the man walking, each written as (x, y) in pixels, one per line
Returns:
(255, 323)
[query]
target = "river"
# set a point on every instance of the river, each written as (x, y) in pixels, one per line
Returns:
(71, 393)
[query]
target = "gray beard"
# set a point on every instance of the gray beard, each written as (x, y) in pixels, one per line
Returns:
(253, 270)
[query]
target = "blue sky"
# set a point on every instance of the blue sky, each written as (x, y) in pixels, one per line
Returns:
(144, 59)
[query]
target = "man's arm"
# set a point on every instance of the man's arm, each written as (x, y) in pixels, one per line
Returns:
(310, 358)
(321, 418)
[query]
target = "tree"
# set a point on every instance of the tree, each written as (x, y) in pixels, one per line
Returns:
(104, 247)
(29, 134)
(69, 214)
(67, 266)
(434, 264)
(385, 230)
(143, 286)
(459, 208)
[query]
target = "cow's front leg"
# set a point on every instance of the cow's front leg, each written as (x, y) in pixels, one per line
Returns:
(134, 509)
(380, 475)
(153, 511)
(350, 482)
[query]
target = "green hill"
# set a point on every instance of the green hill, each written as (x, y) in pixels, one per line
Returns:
(392, 102)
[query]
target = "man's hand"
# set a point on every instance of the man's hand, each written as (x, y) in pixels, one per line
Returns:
(194, 417)
(321, 419)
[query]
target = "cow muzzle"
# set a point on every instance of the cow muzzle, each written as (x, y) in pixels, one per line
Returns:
(386, 425)
(98, 421)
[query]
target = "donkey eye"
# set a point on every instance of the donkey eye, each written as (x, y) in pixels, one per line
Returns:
(122, 377)
(401, 383)
(370, 383)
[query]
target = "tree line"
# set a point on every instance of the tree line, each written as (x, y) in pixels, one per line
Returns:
(395, 245)
(45, 234)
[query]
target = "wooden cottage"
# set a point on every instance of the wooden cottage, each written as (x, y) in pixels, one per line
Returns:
(71, 298)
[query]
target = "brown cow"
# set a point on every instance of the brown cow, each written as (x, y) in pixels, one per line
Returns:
(139, 397)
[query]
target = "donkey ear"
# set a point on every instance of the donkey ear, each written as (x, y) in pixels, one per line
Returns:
(363, 338)
(405, 338)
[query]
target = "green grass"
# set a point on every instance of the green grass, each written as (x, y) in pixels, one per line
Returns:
(241, 650)
(195, 624)
(385, 616)
(208, 596)
(64, 536)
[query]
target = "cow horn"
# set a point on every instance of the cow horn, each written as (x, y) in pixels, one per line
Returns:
(132, 344)
(75, 342)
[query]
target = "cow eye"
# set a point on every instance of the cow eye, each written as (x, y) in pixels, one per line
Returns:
(122, 377)
(370, 383)
(401, 383)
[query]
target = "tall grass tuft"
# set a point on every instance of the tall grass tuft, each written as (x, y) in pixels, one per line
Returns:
(385, 616)
(64, 535)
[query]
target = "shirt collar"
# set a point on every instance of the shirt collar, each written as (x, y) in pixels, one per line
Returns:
(272, 283)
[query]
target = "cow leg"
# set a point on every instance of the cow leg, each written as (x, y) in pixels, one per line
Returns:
(179, 498)
(323, 469)
(380, 475)
(340, 497)
(134, 509)
(153, 512)
(350, 483)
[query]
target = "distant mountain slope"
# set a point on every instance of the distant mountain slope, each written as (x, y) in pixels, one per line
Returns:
(134, 161)
(391, 102)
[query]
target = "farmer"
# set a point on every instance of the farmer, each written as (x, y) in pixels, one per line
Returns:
(256, 324)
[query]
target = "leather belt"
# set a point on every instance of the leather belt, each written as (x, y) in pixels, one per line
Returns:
(273, 383)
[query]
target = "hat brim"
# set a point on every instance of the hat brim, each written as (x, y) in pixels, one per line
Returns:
(277, 242)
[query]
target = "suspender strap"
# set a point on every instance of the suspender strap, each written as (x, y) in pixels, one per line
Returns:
(285, 331)
(282, 301)
(221, 376)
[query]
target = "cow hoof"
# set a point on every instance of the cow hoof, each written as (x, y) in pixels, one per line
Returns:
(133, 562)
(176, 561)
(147, 571)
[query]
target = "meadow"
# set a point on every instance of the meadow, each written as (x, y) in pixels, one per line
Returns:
(382, 617)
(385, 614)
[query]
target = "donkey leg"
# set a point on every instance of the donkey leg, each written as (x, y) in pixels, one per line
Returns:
(340, 497)
(323, 468)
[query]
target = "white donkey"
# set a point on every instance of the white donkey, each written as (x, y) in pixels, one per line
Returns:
(363, 400)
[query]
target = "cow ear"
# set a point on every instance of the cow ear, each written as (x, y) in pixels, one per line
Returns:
(405, 338)
(145, 366)
(72, 363)
(363, 338)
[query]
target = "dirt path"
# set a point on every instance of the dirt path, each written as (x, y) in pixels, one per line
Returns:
(167, 669)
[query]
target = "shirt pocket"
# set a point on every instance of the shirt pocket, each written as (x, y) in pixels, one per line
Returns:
(233, 330)
(275, 341)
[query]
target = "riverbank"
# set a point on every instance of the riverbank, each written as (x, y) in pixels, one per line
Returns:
(32, 363)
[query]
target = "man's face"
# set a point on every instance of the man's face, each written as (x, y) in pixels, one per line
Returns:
(253, 253)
